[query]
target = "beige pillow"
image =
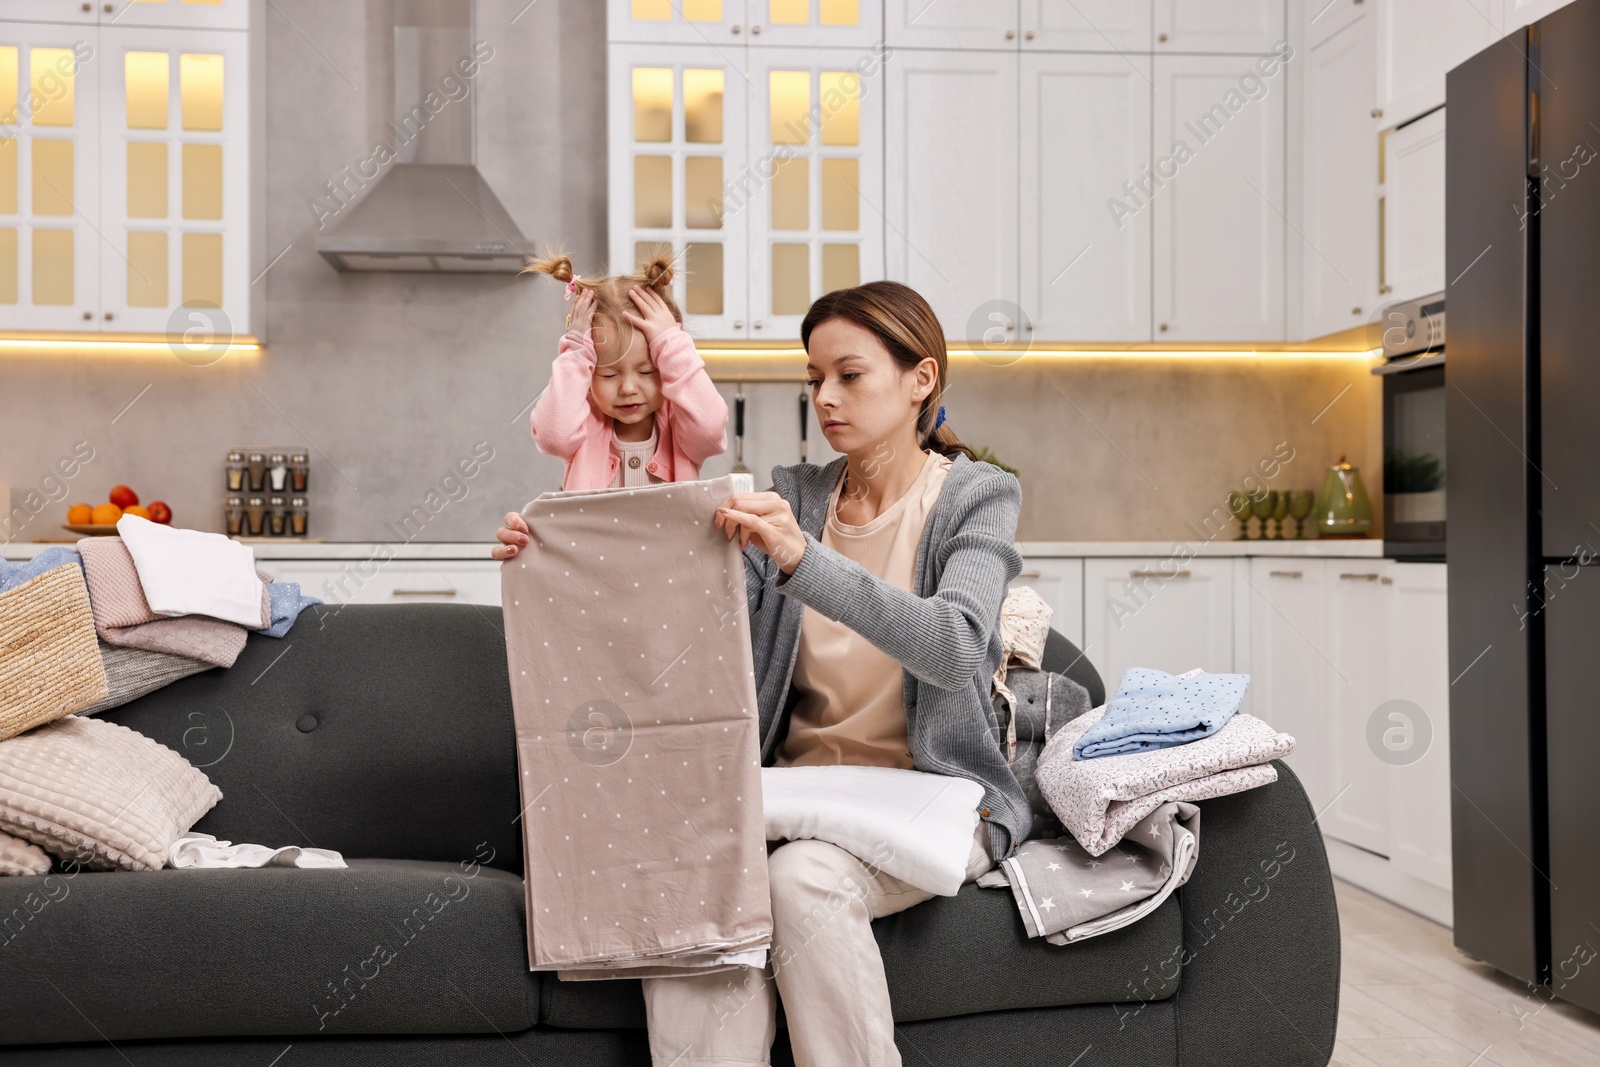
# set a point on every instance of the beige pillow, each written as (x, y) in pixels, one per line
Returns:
(99, 792)
(19, 857)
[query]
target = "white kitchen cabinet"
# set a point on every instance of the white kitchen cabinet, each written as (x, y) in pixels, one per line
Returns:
(816, 225)
(808, 23)
(1117, 26)
(1059, 583)
(1219, 223)
(719, 23)
(1413, 212)
(57, 11)
(1085, 267)
(178, 14)
(1338, 241)
(1170, 614)
(951, 186)
(396, 581)
(1218, 25)
(1358, 653)
(1290, 674)
(1418, 42)
(1324, 18)
(921, 24)
(1419, 786)
(1518, 13)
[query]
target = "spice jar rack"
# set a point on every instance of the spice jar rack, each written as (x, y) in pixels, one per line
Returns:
(266, 493)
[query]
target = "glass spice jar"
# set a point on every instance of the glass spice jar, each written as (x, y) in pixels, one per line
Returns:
(297, 516)
(235, 469)
(233, 516)
(254, 514)
(276, 518)
(299, 469)
(278, 472)
(257, 464)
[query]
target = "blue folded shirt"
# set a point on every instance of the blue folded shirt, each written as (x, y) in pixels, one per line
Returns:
(14, 574)
(1154, 709)
(287, 604)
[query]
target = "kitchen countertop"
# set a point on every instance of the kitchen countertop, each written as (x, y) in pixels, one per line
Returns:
(1361, 548)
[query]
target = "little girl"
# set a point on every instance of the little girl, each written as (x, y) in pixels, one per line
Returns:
(629, 401)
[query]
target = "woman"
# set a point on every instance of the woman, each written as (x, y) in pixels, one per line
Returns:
(874, 588)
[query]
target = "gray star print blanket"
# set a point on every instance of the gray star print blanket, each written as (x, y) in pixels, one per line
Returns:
(1066, 895)
(633, 694)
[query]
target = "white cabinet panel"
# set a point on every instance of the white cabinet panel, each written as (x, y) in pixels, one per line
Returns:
(177, 14)
(1086, 25)
(1358, 649)
(1288, 662)
(935, 24)
(1164, 613)
(1418, 42)
(1219, 228)
(1218, 25)
(1338, 243)
(1419, 788)
(1059, 583)
(400, 581)
(951, 184)
(1085, 132)
(720, 23)
(813, 23)
(1413, 220)
(1324, 18)
(1519, 13)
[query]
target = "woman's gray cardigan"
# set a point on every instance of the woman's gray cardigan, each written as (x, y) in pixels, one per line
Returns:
(943, 633)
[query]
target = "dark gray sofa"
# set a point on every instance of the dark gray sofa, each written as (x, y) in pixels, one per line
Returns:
(386, 733)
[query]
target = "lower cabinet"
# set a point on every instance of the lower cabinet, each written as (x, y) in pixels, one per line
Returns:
(1059, 583)
(398, 581)
(1164, 613)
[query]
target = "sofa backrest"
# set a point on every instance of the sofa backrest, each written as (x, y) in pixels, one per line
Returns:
(377, 731)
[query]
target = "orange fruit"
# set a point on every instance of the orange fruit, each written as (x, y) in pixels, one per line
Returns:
(80, 513)
(137, 509)
(107, 514)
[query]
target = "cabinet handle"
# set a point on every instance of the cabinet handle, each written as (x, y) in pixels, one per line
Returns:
(108, 316)
(108, 9)
(88, 316)
(756, 324)
(1011, 34)
(1162, 38)
(738, 324)
(1285, 574)
(1163, 327)
(1358, 577)
(1377, 112)
(1157, 574)
(423, 592)
(1027, 574)
(755, 31)
(1355, 311)
(1028, 35)
(1385, 289)
(88, 7)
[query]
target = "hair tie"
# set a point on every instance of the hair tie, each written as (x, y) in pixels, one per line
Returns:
(940, 420)
(572, 287)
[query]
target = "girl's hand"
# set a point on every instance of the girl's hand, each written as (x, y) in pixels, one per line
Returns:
(513, 535)
(582, 313)
(767, 521)
(657, 316)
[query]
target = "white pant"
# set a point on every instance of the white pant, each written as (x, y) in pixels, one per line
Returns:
(824, 961)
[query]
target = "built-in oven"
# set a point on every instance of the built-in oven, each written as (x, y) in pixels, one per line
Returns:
(1413, 429)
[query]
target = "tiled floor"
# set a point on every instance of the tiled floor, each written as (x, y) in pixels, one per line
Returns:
(1409, 998)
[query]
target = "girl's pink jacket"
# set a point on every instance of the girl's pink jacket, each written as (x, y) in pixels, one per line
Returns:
(691, 423)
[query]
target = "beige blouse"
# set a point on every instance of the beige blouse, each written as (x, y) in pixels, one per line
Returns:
(849, 709)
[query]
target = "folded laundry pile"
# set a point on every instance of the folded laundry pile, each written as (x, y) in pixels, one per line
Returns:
(915, 825)
(633, 693)
(1161, 743)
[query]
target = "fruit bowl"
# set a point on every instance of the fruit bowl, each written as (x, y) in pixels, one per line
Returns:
(91, 529)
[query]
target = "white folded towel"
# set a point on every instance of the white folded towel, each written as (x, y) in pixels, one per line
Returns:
(914, 825)
(203, 850)
(189, 572)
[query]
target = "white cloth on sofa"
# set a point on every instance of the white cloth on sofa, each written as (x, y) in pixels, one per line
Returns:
(202, 850)
(190, 572)
(915, 825)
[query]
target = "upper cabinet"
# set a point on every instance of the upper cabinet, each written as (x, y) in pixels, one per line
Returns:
(1413, 209)
(165, 14)
(758, 166)
(127, 192)
(1418, 41)
(1242, 26)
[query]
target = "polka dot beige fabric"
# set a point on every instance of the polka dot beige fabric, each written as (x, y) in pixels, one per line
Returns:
(49, 658)
(21, 857)
(637, 725)
(99, 793)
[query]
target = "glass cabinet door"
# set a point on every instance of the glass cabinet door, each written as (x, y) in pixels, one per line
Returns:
(678, 177)
(48, 173)
(197, 14)
(709, 22)
(816, 143)
(175, 211)
(815, 23)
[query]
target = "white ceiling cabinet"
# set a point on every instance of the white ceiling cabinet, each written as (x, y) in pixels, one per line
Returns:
(1241, 26)
(1219, 222)
(1338, 240)
(1418, 42)
(966, 26)
(1085, 132)
(951, 186)
(1413, 216)
(1085, 25)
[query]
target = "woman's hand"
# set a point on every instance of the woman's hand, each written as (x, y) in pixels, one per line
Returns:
(657, 316)
(513, 535)
(767, 521)
(582, 313)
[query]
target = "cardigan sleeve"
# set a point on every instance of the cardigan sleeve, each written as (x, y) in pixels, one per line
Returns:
(561, 416)
(700, 415)
(941, 639)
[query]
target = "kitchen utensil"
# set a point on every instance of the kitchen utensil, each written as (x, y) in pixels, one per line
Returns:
(1342, 508)
(804, 401)
(743, 480)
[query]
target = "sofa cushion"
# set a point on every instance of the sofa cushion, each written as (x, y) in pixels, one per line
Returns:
(950, 956)
(384, 947)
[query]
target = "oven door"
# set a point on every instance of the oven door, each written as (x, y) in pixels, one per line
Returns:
(1413, 463)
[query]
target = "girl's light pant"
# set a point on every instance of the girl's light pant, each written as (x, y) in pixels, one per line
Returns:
(824, 963)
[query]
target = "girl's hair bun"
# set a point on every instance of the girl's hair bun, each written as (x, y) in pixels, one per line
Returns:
(657, 273)
(558, 266)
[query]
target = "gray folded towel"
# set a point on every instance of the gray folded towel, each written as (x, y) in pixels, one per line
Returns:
(133, 672)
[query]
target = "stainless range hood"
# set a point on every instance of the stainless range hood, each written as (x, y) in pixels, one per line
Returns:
(432, 211)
